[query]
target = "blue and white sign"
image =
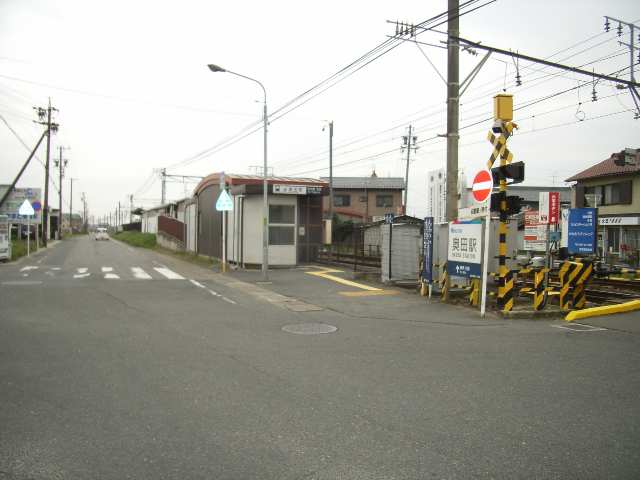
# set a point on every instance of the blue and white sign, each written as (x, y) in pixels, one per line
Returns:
(582, 236)
(427, 250)
(464, 253)
(224, 202)
(388, 217)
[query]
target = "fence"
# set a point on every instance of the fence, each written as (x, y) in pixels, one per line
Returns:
(172, 227)
(354, 245)
(132, 227)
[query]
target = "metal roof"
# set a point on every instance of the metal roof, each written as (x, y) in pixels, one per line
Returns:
(360, 183)
(239, 179)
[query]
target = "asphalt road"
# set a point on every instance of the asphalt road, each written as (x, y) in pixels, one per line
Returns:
(188, 374)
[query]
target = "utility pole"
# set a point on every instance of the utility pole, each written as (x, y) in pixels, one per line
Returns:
(163, 176)
(84, 211)
(61, 164)
(51, 127)
(130, 208)
(71, 205)
(330, 169)
(408, 142)
(632, 51)
(453, 105)
(119, 221)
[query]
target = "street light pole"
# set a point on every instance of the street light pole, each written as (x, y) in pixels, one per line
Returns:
(265, 185)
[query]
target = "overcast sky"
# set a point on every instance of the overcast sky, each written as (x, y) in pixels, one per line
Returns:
(134, 94)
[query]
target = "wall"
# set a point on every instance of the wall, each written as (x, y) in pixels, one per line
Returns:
(172, 227)
(169, 242)
(209, 223)
(406, 242)
(150, 222)
(361, 206)
(191, 222)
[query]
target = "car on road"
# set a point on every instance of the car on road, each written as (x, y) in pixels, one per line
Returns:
(101, 234)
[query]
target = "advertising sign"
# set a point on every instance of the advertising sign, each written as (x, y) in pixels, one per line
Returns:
(549, 207)
(427, 250)
(582, 236)
(464, 252)
(15, 200)
(535, 232)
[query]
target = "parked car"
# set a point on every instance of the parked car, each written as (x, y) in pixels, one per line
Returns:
(101, 234)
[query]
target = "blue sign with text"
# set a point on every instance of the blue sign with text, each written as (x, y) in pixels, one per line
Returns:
(427, 250)
(581, 233)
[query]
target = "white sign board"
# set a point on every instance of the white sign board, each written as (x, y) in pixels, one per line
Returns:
(477, 211)
(290, 189)
(11, 206)
(465, 242)
(224, 202)
(26, 210)
(564, 228)
(618, 220)
(535, 233)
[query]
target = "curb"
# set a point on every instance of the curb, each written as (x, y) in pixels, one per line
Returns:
(605, 310)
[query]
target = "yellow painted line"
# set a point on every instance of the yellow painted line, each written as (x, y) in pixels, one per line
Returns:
(605, 310)
(369, 293)
(325, 273)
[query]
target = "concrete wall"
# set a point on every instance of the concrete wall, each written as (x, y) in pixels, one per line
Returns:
(191, 219)
(621, 209)
(150, 222)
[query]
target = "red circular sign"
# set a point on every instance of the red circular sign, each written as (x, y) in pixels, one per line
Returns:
(482, 185)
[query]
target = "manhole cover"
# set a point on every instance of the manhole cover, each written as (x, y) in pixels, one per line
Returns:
(309, 328)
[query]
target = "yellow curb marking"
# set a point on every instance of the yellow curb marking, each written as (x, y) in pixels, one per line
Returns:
(368, 293)
(605, 310)
(324, 273)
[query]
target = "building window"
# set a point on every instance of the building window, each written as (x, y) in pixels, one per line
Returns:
(282, 214)
(342, 200)
(610, 194)
(282, 224)
(384, 200)
(281, 235)
(613, 239)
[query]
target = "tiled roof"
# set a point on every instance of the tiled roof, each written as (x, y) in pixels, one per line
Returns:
(390, 183)
(606, 168)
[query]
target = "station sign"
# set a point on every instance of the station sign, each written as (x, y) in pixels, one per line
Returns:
(477, 211)
(581, 236)
(427, 250)
(286, 189)
(464, 252)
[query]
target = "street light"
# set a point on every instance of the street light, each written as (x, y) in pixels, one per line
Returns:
(265, 203)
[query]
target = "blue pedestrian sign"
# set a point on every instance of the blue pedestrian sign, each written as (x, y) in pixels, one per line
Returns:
(224, 203)
(582, 238)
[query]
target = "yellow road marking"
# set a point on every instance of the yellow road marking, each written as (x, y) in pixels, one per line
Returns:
(325, 273)
(368, 293)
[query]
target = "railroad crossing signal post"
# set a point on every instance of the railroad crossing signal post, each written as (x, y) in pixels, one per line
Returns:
(503, 126)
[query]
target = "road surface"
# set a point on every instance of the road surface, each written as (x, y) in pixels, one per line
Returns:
(121, 363)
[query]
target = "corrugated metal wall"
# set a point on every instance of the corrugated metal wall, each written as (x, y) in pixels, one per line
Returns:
(406, 242)
(209, 223)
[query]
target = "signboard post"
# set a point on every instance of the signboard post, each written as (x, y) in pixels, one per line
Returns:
(481, 189)
(581, 236)
(224, 204)
(26, 210)
(427, 249)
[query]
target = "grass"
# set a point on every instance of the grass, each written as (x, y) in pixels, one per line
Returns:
(137, 239)
(19, 248)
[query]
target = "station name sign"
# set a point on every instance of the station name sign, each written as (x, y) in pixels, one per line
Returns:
(286, 189)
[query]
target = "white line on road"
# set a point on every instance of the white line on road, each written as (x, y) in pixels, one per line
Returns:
(22, 282)
(107, 269)
(215, 294)
(81, 275)
(82, 270)
(228, 300)
(111, 275)
(197, 284)
(55, 268)
(140, 273)
(171, 275)
(27, 268)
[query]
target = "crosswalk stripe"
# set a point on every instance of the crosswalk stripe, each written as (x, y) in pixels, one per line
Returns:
(82, 269)
(111, 275)
(107, 269)
(140, 273)
(171, 275)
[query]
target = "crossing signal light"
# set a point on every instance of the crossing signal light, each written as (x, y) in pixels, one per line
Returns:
(514, 204)
(512, 173)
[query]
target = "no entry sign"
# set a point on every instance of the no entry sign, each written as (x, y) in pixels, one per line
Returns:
(482, 186)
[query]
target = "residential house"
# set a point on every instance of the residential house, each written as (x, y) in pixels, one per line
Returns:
(613, 187)
(363, 199)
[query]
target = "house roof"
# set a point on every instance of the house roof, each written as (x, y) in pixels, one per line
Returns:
(239, 179)
(378, 183)
(606, 168)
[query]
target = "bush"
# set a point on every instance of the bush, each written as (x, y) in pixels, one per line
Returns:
(19, 248)
(137, 239)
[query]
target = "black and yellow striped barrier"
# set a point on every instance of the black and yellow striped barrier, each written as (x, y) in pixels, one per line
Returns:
(569, 274)
(444, 284)
(579, 295)
(474, 294)
(539, 299)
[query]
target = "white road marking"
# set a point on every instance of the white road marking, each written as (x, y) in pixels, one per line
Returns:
(25, 274)
(229, 300)
(81, 275)
(55, 268)
(588, 328)
(215, 294)
(111, 275)
(171, 275)
(140, 273)
(22, 282)
(107, 269)
(197, 284)
(82, 270)
(30, 267)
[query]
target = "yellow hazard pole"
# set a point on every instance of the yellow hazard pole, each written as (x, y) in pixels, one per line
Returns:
(503, 114)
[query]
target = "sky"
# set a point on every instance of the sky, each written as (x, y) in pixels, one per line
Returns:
(134, 94)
